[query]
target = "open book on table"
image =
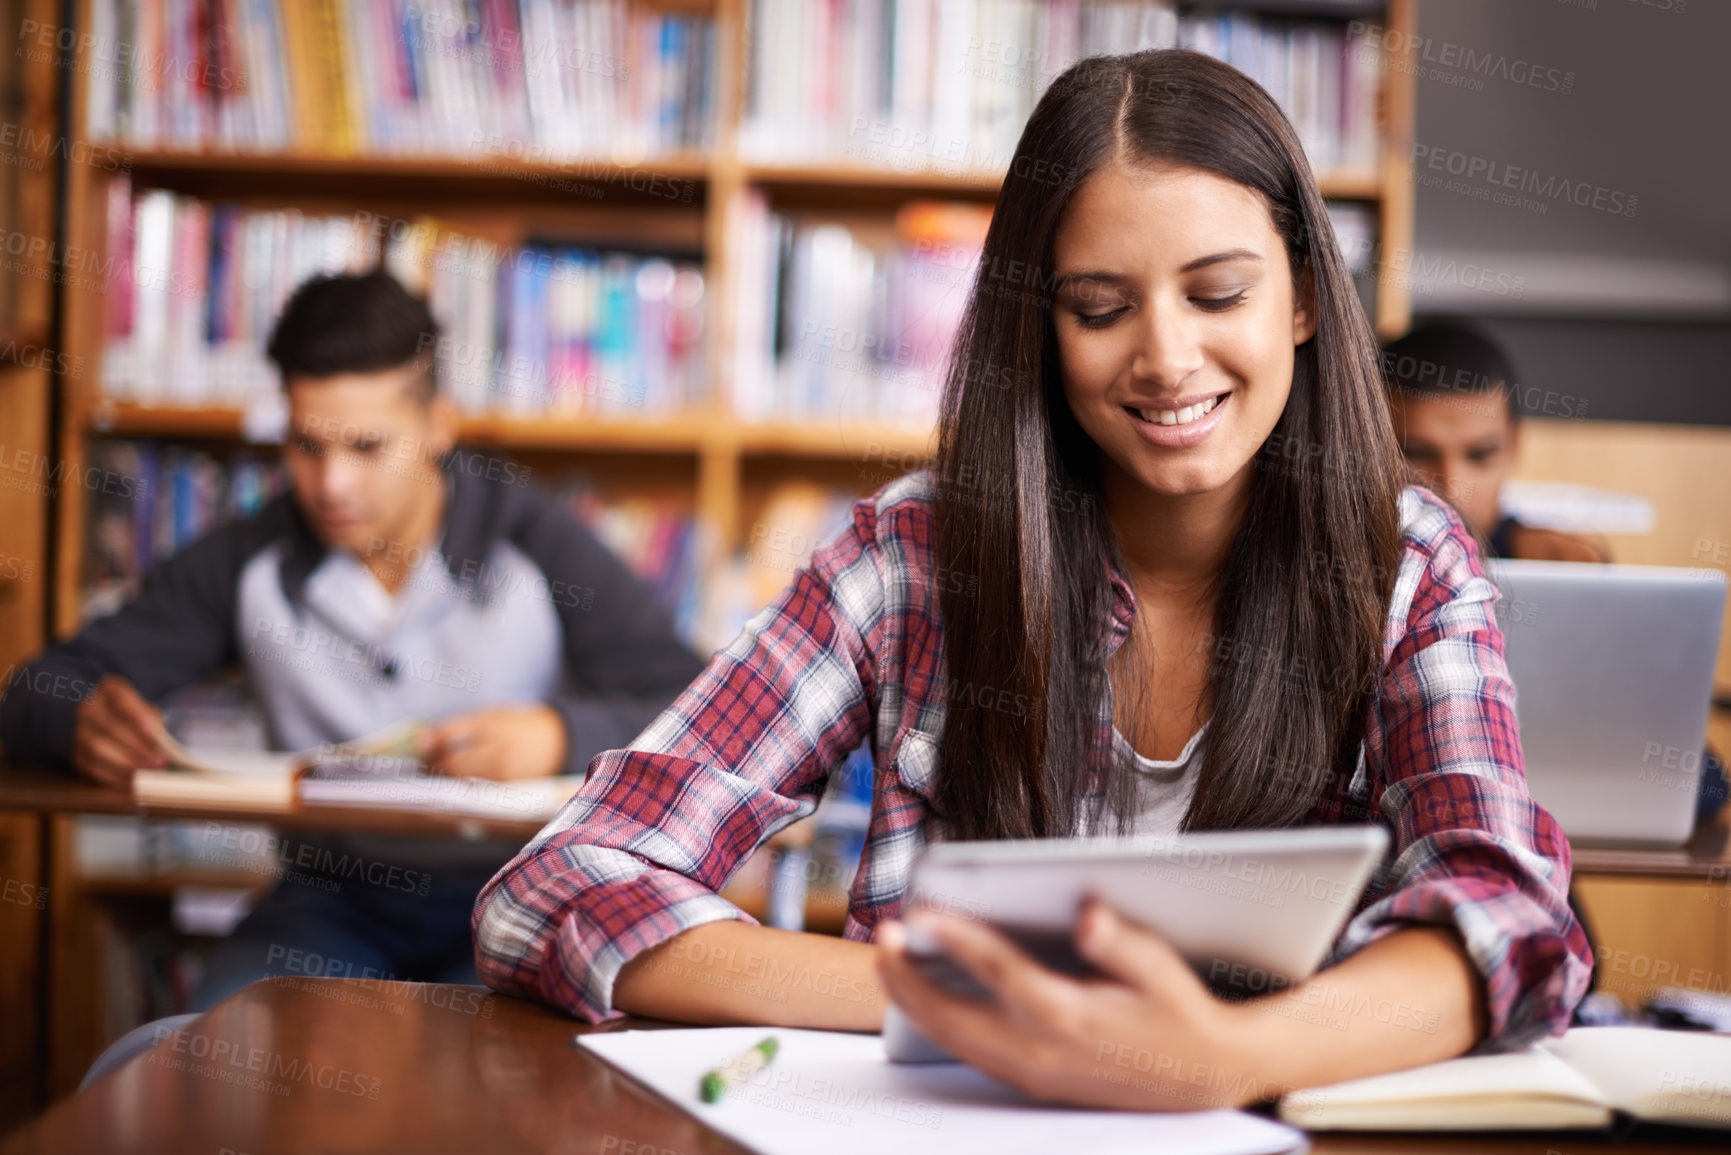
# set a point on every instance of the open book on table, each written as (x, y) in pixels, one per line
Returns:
(380, 769)
(1588, 1077)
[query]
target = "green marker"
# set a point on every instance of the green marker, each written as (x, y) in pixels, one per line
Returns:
(742, 1067)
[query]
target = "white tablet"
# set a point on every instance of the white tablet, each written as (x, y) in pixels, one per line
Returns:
(1252, 910)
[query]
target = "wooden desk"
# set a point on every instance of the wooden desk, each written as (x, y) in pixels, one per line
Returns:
(1706, 857)
(52, 1026)
(369, 1066)
(52, 1033)
(46, 793)
(47, 972)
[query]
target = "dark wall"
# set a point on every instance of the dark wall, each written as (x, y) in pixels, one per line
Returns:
(1627, 311)
(1678, 372)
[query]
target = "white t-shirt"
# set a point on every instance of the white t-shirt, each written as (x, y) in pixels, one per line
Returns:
(1164, 788)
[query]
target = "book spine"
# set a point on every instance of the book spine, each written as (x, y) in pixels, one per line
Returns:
(118, 243)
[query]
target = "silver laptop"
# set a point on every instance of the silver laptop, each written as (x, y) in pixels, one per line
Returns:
(1613, 672)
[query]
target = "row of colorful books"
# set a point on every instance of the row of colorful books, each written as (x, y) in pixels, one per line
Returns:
(1324, 73)
(148, 500)
(563, 331)
(919, 83)
(923, 84)
(193, 289)
(488, 81)
(839, 325)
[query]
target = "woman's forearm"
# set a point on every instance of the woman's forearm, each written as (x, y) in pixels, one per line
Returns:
(1405, 1000)
(735, 972)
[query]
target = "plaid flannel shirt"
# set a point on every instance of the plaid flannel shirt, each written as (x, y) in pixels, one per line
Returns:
(853, 650)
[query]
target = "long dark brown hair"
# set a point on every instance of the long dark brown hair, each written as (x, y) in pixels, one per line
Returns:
(1301, 598)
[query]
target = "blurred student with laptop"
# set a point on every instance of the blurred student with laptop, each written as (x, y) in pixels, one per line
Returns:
(400, 578)
(1452, 393)
(1453, 397)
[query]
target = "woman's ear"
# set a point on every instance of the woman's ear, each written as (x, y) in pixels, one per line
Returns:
(1303, 308)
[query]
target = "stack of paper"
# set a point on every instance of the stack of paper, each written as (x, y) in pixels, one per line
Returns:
(382, 770)
(529, 798)
(834, 1093)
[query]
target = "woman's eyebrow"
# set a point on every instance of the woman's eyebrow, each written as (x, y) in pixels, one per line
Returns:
(1104, 277)
(1218, 258)
(1067, 279)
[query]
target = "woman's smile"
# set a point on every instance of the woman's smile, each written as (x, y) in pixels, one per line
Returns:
(1176, 426)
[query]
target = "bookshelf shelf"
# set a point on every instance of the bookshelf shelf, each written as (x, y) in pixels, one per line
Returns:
(928, 180)
(123, 420)
(840, 440)
(1343, 184)
(1337, 184)
(686, 166)
(671, 435)
(166, 882)
(690, 434)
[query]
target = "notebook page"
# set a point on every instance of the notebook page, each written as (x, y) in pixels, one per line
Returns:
(1654, 1074)
(241, 763)
(1494, 1082)
(834, 1093)
(397, 738)
(245, 763)
(523, 798)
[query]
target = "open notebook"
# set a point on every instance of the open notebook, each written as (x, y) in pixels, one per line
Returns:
(246, 779)
(379, 769)
(524, 798)
(835, 1093)
(1585, 1078)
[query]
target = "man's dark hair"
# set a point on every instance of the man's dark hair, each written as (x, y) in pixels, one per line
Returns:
(349, 323)
(1448, 357)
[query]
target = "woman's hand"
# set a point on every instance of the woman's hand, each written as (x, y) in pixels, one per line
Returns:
(1149, 1036)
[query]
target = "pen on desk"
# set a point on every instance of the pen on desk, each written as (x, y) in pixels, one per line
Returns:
(740, 1068)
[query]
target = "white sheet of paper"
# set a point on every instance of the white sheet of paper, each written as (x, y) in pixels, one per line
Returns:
(834, 1093)
(398, 737)
(239, 763)
(524, 798)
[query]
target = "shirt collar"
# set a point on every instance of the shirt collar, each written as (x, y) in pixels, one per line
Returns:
(1123, 611)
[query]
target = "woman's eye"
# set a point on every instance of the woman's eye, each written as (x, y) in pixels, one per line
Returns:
(1098, 320)
(1217, 304)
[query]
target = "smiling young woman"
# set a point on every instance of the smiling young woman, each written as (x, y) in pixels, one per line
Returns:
(1199, 596)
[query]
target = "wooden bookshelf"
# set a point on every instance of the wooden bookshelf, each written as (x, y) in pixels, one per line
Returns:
(514, 195)
(29, 95)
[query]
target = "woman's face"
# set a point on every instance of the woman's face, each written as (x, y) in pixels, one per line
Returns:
(1176, 319)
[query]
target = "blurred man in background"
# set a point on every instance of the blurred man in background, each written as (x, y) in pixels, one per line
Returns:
(400, 579)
